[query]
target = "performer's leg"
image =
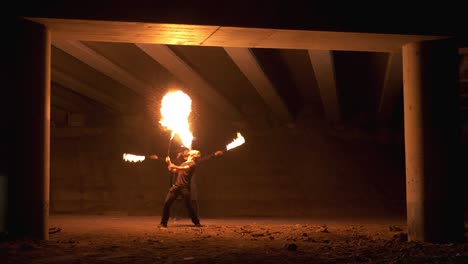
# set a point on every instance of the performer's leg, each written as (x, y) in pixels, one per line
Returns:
(178, 208)
(188, 203)
(195, 208)
(170, 197)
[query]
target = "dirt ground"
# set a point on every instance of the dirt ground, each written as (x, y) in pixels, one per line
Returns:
(129, 239)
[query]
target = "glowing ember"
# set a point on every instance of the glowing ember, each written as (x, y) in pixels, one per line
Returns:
(175, 110)
(133, 158)
(236, 142)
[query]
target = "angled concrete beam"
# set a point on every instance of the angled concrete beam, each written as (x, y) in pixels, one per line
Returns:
(248, 64)
(324, 69)
(77, 86)
(102, 64)
(181, 70)
(392, 87)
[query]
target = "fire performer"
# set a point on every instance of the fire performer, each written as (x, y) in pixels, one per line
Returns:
(181, 187)
(178, 203)
(175, 110)
(239, 140)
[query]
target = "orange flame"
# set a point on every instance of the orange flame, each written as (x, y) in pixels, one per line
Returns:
(175, 110)
(133, 158)
(236, 142)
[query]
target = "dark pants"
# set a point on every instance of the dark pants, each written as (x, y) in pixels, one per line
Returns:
(195, 207)
(174, 192)
(178, 210)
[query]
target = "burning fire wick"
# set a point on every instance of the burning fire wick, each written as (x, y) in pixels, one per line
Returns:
(236, 142)
(133, 158)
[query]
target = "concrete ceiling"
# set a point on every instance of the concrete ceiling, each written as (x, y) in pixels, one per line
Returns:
(243, 74)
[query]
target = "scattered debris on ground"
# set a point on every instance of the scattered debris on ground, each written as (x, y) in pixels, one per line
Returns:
(138, 240)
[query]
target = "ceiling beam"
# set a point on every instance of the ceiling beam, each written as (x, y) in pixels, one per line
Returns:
(248, 64)
(84, 89)
(392, 86)
(324, 70)
(102, 64)
(223, 36)
(181, 70)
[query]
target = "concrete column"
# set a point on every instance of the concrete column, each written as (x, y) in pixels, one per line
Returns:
(28, 182)
(434, 187)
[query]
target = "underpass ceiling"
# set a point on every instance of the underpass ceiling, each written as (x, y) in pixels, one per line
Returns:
(245, 74)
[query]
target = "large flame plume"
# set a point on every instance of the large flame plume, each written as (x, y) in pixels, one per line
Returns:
(239, 140)
(175, 111)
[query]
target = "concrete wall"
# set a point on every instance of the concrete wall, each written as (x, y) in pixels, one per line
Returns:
(304, 170)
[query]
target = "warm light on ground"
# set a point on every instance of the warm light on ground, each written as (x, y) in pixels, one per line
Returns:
(131, 239)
